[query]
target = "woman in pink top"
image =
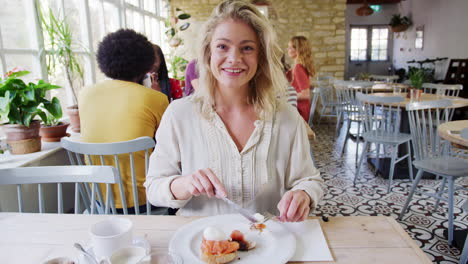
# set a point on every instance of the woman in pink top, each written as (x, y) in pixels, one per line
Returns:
(299, 50)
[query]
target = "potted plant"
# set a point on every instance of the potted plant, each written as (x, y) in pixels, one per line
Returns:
(364, 76)
(416, 78)
(173, 26)
(20, 103)
(60, 52)
(53, 129)
(399, 23)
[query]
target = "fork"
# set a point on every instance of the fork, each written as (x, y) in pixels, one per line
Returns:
(268, 216)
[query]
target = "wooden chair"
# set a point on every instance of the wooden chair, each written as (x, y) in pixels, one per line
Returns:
(80, 175)
(76, 151)
(381, 123)
(429, 149)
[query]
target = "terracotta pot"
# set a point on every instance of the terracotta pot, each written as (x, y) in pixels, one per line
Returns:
(74, 115)
(16, 132)
(414, 94)
(399, 28)
(53, 133)
(22, 139)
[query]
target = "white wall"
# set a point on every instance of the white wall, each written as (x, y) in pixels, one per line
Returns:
(445, 32)
(380, 18)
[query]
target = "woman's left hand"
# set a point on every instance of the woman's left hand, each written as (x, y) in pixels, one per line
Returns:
(294, 206)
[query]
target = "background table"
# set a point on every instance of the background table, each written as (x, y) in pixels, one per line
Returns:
(446, 128)
(33, 238)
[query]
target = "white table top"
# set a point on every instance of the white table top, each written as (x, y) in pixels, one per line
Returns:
(34, 238)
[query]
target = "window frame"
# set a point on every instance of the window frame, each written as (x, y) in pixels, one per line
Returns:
(88, 53)
(369, 31)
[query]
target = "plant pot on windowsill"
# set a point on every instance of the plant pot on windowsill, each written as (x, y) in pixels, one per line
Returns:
(22, 139)
(74, 114)
(399, 28)
(53, 133)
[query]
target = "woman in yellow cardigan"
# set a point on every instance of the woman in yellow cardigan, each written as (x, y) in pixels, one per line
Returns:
(122, 109)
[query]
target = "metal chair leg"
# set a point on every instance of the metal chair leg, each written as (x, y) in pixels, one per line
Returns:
(392, 167)
(451, 193)
(410, 196)
(346, 137)
(363, 156)
(439, 193)
(377, 159)
(357, 142)
(410, 161)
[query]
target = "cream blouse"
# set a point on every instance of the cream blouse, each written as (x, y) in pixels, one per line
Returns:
(275, 159)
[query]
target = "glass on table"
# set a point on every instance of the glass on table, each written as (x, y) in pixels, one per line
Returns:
(161, 257)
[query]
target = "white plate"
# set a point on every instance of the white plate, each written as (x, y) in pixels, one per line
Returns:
(274, 245)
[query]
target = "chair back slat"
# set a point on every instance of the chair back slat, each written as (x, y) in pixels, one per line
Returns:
(379, 116)
(20, 197)
(119, 151)
(56, 175)
(442, 89)
(59, 198)
(424, 121)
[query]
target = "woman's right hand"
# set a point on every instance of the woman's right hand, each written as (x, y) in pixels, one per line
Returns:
(202, 182)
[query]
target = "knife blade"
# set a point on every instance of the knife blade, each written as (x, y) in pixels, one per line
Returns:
(244, 212)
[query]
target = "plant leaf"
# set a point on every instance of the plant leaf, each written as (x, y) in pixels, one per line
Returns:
(5, 105)
(54, 108)
(184, 16)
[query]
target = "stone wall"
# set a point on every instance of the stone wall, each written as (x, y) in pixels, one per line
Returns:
(321, 21)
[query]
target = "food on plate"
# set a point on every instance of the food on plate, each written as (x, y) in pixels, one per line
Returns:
(216, 247)
(244, 245)
(259, 225)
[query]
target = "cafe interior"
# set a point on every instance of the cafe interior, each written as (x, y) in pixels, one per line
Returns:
(387, 129)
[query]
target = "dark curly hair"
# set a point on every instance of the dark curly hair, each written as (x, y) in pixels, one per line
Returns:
(125, 55)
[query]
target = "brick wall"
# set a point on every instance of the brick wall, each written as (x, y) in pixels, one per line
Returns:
(321, 21)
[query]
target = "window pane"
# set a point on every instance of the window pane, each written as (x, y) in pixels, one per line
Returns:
(132, 2)
(72, 14)
(358, 43)
(138, 22)
(15, 25)
(379, 44)
(26, 61)
(111, 17)
(150, 5)
(163, 8)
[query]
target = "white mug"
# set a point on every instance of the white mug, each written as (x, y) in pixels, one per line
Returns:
(110, 235)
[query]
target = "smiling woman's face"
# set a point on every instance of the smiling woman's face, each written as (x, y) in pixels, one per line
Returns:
(234, 54)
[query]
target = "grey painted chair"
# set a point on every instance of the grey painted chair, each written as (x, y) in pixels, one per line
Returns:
(330, 106)
(442, 89)
(386, 78)
(428, 148)
(464, 254)
(346, 94)
(76, 150)
(381, 123)
(315, 95)
(80, 175)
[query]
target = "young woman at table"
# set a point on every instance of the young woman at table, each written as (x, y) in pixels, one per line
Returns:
(240, 141)
(299, 50)
(122, 109)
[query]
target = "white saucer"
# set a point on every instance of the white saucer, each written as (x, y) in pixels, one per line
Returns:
(136, 242)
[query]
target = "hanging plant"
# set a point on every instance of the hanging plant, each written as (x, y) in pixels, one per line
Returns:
(399, 23)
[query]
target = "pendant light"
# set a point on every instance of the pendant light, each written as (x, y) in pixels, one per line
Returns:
(364, 10)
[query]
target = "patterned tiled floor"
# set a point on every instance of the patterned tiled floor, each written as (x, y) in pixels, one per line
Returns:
(370, 197)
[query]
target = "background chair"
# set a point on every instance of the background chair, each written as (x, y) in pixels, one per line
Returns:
(315, 95)
(429, 149)
(442, 89)
(350, 108)
(117, 152)
(381, 123)
(62, 174)
(330, 106)
(386, 78)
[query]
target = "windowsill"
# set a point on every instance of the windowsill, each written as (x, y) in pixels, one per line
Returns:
(8, 160)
